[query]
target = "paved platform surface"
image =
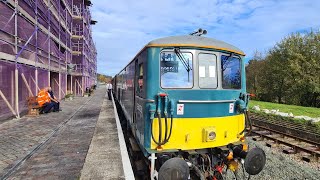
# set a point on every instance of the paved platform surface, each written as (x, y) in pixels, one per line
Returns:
(105, 147)
(55, 145)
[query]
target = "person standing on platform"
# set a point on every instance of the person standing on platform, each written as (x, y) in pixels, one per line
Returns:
(109, 87)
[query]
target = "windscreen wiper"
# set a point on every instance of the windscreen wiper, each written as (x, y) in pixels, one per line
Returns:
(182, 59)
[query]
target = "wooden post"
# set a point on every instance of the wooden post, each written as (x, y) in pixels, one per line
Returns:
(26, 83)
(79, 86)
(35, 82)
(8, 104)
(59, 87)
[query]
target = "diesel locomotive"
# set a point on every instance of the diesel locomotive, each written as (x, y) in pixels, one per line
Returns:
(185, 102)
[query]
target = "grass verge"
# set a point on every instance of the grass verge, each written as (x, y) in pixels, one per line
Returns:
(295, 110)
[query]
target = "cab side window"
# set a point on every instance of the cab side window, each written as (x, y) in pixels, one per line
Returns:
(140, 78)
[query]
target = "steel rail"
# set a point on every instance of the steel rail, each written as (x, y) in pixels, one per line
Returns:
(292, 124)
(296, 147)
(41, 144)
(283, 127)
(286, 134)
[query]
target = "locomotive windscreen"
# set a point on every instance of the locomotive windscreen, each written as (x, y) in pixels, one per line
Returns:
(231, 72)
(176, 69)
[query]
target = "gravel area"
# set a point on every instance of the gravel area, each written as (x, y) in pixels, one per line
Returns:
(280, 166)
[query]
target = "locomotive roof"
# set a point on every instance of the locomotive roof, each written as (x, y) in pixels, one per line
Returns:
(194, 41)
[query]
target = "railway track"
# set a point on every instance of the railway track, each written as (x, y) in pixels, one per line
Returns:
(298, 139)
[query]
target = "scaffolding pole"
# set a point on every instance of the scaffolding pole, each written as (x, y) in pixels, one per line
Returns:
(59, 87)
(66, 82)
(79, 85)
(26, 83)
(8, 104)
(17, 92)
(37, 56)
(35, 82)
(71, 85)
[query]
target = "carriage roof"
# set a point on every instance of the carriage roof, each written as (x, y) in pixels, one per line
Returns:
(194, 41)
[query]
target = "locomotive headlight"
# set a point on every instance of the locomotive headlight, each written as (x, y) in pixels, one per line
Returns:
(209, 134)
(212, 135)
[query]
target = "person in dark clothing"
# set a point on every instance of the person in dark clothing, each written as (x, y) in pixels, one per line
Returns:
(48, 106)
(54, 100)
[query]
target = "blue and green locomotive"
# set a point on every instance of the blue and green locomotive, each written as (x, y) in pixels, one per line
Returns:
(185, 101)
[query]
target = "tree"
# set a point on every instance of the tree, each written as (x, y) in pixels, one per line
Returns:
(290, 73)
(254, 73)
(103, 78)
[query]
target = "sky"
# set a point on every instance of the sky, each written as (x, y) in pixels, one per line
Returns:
(126, 26)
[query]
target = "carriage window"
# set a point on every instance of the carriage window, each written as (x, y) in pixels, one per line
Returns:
(140, 80)
(231, 72)
(176, 69)
(207, 71)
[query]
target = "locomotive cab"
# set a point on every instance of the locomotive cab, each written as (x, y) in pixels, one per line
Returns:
(201, 90)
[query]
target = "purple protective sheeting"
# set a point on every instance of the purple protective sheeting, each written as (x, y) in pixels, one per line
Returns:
(27, 86)
(7, 80)
(43, 79)
(6, 20)
(54, 83)
(69, 84)
(49, 52)
(63, 84)
(77, 82)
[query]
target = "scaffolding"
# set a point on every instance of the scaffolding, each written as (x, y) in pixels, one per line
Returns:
(44, 43)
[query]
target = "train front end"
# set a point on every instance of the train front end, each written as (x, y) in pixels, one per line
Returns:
(197, 121)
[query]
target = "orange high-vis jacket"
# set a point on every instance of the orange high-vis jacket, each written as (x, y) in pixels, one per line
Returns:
(43, 97)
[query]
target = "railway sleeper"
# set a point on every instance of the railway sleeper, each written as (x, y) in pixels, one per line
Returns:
(272, 144)
(257, 138)
(309, 158)
(289, 151)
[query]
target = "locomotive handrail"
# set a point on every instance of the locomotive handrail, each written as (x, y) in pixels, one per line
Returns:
(146, 100)
(205, 101)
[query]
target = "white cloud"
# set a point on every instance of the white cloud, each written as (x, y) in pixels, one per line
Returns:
(125, 26)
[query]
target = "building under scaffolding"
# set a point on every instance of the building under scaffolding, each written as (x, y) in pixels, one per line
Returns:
(44, 43)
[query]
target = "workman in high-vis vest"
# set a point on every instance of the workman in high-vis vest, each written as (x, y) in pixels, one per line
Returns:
(44, 100)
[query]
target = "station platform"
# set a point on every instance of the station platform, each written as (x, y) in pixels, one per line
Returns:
(82, 141)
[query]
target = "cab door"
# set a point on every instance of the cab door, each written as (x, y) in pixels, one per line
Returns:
(139, 96)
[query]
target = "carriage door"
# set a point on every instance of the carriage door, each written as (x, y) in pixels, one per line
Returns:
(136, 74)
(139, 96)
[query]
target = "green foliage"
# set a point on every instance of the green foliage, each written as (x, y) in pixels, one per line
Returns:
(68, 95)
(290, 73)
(103, 78)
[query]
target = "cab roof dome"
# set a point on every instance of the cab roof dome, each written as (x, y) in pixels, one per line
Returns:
(194, 41)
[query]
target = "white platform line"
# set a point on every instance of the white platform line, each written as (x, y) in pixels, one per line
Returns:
(127, 168)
